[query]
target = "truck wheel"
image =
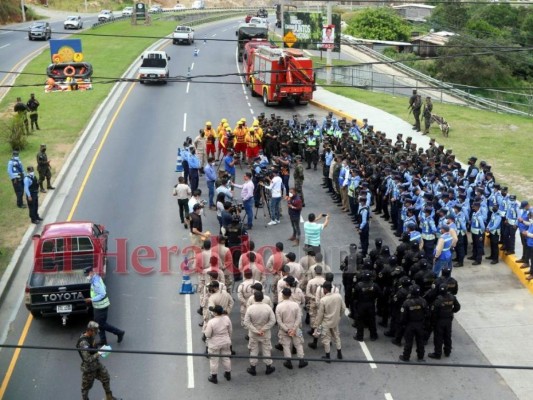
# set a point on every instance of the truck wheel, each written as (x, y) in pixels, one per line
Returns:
(265, 98)
(174, 42)
(36, 314)
(252, 91)
(141, 82)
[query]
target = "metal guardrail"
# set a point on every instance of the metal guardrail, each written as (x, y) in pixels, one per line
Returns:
(469, 98)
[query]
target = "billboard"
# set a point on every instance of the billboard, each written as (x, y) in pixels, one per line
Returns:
(311, 30)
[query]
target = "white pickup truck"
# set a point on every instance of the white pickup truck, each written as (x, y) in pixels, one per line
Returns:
(154, 67)
(183, 34)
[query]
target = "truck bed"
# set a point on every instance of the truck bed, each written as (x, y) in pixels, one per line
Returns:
(47, 279)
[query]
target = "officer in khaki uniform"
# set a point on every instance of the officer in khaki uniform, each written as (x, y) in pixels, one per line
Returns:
(259, 320)
(245, 291)
(310, 296)
(330, 311)
(289, 318)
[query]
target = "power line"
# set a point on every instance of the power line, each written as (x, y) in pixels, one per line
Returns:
(247, 357)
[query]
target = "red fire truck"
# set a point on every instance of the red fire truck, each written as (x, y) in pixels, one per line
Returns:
(278, 74)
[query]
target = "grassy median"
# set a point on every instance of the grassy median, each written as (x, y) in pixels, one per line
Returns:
(64, 115)
(503, 140)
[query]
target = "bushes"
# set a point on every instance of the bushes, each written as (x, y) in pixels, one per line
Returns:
(14, 132)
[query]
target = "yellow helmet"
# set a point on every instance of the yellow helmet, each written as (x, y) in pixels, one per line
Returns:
(243, 119)
(226, 125)
(228, 129)
(208, 123)
(256, 123)
(224, 121)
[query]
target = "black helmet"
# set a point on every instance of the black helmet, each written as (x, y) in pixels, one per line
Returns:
(443, 288)
(404, 281)
(446, 272)
(378, 242)
(367, 276)
(415, 291)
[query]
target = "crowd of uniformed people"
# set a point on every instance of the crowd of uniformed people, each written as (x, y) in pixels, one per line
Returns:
(437, 208)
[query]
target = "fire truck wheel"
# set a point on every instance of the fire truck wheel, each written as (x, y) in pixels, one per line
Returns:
(265, 98)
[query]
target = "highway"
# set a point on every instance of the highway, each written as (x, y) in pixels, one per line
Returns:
(16, 50)
(128, 188)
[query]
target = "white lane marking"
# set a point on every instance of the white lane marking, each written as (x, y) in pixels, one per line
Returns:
(5, 45)
(188, 85)
(388, 396)
(367, 353)
(192, 66)
(224, 30)
(249, 105)
(184, 122)
(301, 219)
(213, 35)
(252, 111)
(188, 328)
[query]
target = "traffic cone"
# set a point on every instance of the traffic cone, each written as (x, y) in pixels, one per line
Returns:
(186, 284)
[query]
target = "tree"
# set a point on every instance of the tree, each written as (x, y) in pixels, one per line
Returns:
(379, 24)
(450, 17)
(497, 15)
(459, 64)
(480, 29)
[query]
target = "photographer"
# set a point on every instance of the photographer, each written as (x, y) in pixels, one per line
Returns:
(275, 189)
(226, 217)
(247, 196)
(313, 232)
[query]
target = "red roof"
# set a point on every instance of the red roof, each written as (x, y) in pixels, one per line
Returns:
(65, 229)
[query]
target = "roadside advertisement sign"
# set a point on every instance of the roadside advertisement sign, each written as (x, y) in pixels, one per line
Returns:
(312, 31)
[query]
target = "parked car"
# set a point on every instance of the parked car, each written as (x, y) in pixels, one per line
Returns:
(105, 15)
(40, 30)
(73, 22)
(179, 7)
(155, 9)
(127, 11)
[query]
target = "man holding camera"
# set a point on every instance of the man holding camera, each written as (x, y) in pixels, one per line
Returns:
(247, 196)
(313, 231)
(275, 189)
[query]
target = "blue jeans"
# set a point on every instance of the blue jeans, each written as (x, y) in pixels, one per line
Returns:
(274, 208)
(211, 188)
(249, 208)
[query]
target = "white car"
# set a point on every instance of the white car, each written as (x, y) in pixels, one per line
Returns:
(155, 9)
(105, 15)
(179, 7)
(127, 11)
(73, 22)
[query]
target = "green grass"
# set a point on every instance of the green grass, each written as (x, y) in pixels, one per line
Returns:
(63, 116)
(504, 141)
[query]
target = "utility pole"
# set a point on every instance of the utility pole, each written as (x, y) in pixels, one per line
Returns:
(328, 50)
(23, 10)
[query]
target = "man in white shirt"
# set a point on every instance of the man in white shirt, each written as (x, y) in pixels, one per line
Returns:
(275, 189)
(247, 195)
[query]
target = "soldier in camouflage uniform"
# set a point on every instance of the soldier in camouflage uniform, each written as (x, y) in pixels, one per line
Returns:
(43, 167)
(299, 178)
(91, 367)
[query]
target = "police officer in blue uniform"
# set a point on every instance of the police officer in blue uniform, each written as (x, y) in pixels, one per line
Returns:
(15, 171)
(494, 228)
(477, 228)
(31, 189)
(363, 228)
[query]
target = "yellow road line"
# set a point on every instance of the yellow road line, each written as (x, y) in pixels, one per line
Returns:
(95, 157)
(27, 325)
(32, 54)
(15, 357)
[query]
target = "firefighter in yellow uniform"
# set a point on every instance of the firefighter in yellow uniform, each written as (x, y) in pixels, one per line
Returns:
(221, 133)
(239, 144)
(252, 144)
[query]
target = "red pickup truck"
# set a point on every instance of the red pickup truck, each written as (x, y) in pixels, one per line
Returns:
(57, 286)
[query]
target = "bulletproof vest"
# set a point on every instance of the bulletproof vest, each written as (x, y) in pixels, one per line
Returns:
(90, 340)
(416, 309)
(384, 277)
(366, 292)
(400, 296)
(444, 306)
(360, 215)
(451, 283)
(427, 280)
(34, 185)
(16, 167)
(42, 157)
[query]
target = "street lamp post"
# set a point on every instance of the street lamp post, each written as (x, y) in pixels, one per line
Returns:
(23, 10)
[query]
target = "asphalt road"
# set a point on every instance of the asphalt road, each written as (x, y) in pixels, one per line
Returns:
(16, 49)
(129, 190)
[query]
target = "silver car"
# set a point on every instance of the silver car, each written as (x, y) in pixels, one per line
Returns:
(40, 30)
(73, 22)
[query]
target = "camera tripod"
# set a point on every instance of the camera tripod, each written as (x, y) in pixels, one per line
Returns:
(265, 198)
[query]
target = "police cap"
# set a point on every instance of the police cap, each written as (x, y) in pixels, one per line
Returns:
(217, 309)
(87, 270)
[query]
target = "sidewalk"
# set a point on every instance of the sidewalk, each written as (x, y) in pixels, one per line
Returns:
(496, 308)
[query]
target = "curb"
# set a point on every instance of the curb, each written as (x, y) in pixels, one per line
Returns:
(509, 260)
(16, 258)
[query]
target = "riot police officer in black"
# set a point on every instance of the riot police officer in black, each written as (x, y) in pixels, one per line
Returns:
(414, 312)
(442, 311)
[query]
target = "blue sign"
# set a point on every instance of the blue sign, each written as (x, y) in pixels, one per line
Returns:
(66, 50)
